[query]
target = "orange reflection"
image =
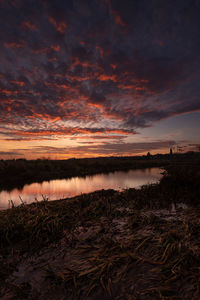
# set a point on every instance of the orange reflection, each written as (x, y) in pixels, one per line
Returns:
(63, 188)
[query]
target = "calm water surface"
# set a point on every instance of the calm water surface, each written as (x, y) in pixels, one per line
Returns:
(63, 188)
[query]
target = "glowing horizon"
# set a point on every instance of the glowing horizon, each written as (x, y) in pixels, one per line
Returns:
(98, 78)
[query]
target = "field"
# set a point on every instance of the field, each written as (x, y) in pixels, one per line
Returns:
(135, 244)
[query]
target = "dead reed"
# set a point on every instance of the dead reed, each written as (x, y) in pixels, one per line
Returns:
(107, 244)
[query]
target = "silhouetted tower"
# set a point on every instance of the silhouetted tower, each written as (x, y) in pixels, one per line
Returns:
(148, 155)
(171, 152)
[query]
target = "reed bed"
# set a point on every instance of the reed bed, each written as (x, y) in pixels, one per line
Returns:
(135, 244)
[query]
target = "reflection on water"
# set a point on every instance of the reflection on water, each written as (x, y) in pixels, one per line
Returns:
(63, 188)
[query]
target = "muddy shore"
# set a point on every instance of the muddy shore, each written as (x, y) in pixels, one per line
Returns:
(135, 244)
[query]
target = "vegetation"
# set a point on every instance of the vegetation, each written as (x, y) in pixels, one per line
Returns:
(17, 173)
(135, 244)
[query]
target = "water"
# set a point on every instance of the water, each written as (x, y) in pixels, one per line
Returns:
(63, 188)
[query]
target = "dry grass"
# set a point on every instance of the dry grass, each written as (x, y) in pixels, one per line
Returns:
(106, 245)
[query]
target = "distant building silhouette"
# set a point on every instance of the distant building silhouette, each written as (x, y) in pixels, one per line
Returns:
(171, 152)
(148, 154)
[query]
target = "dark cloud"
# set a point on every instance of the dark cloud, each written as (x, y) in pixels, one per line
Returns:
(7, 154)
(52, 132)
(94, 62)
(107, 148)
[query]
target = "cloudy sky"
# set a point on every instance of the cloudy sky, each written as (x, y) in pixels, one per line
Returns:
(85, 78)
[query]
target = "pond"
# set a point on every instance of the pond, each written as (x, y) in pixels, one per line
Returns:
(63, 188)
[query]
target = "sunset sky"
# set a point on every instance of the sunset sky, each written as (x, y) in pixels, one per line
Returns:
(85, 78)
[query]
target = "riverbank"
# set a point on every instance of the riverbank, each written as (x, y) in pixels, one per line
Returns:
(135, 244)
(75, 186)
(17, 173)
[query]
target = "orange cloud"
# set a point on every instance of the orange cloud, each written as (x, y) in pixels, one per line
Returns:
(59, 25)
(140, 88)
(99, 137)
(101, 51)
(53, 59)
(7, 92)
(20, 83)
(72, 131)
(117, 18)
(21, 44)
(104, 77)
(55, 47)
(28, 25)
(45, 50)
